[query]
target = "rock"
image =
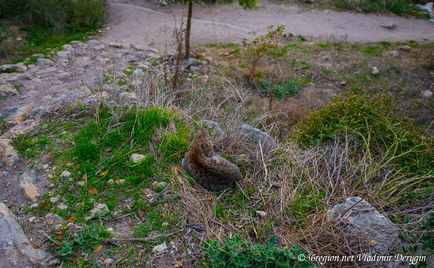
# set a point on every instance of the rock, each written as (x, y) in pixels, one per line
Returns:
(8, 68)
(390, 26)
(65, 174)
(115, 45)
(62, 206)
(15, 114)
(427, 94)
(7, 90)
(54, 199)
(405, 48)
(375, 71)
(8, 155)
(62, 54)
(15, 248)
(138, 73)
(30, 190)
(97, 211)
(22, 128)
(261, 214)
(212, 125)
(44, 62)
(394, 53)
(253, 135)
(326, 58)
(160, 248)
(137, 158)
(359, 219)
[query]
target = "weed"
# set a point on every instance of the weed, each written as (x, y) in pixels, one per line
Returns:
(255, 50)
(81, 243)
(29, 146)
(236, 252)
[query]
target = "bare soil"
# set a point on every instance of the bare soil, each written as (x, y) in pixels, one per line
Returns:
(149, 24)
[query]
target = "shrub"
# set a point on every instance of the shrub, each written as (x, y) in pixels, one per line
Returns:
(236, 252)
(260, 46)
(398, 7)
(373, 120)
(57, 16)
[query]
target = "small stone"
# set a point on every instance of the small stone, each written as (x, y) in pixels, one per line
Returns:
(261, 214)
(343, 83)
(405, 48)
(45, 166)
(138, 73)
(110, 229)
(160, 248)
(54, 199)
(427, 94)
(98, 211)
(137, 158)
(32, 219)
(65, 174)
(29, 188)
(62, 206)
(326, 58)
(375, 71)
(390, 26)
(111, 181)
(115, 45)
(394, 53)
(8, 68)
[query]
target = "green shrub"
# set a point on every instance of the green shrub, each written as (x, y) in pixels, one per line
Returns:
(398, 7)
(374, 121)
(236, 252)
(282, 91)
(58, 16)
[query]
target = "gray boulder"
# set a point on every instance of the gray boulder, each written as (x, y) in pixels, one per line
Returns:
(361, 220)
(15, 248)
(253, 135)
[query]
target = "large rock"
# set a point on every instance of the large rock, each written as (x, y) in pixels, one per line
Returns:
(253, 135)
(15, 248)
(361, 220)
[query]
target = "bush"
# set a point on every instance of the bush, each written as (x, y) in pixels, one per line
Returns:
(236, 252)
(57, 16)
(398, 7)
(373, 120)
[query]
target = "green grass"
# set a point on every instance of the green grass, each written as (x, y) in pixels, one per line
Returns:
(30, 146)
(81, 243)
(281, 91)
(48, 25)
(236, 252)
(398, 7)
(97, 155)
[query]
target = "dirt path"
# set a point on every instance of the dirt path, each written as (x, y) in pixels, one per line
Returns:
(144, 23)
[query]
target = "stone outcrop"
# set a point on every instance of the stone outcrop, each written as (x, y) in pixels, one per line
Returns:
(15, 248)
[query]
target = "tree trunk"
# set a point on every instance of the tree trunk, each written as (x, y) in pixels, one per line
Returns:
(188, 29)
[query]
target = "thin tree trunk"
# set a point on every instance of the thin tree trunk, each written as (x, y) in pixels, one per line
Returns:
(188, 29)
